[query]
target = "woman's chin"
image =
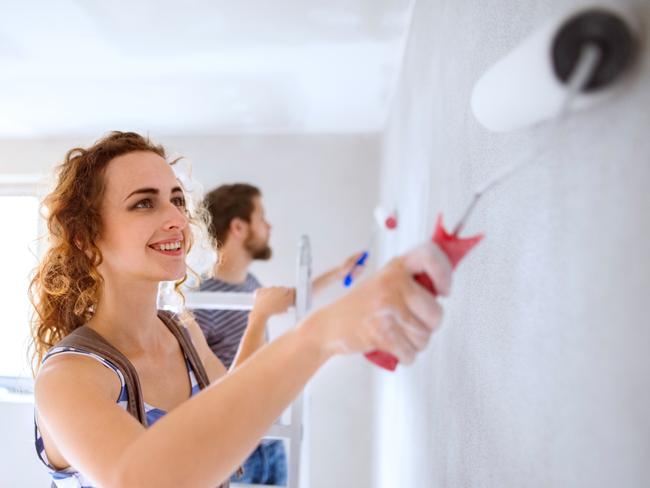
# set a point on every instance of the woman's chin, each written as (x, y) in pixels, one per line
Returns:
(175, 276)
(171, 274)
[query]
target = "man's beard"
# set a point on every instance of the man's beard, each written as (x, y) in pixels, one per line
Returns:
(256, 250)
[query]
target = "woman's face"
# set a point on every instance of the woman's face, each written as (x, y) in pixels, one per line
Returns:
(145, 229)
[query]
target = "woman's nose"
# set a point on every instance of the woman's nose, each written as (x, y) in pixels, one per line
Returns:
(175, 217)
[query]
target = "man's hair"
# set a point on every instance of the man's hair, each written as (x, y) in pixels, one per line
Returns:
(227, 202)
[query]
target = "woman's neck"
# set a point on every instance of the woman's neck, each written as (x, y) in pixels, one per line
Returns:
(127, 316)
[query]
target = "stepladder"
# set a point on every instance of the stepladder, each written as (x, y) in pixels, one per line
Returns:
(290, 427)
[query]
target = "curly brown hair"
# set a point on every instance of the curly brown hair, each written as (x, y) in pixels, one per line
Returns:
(66, 284)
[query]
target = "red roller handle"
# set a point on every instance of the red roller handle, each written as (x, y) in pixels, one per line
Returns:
(455, 248)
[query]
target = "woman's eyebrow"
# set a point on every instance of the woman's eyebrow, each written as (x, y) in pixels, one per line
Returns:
(152, 191)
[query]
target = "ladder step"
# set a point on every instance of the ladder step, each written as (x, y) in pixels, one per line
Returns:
(278, 431)
(219, 300)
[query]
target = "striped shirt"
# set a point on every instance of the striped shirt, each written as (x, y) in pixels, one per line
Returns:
(224, 329)
(69, 477)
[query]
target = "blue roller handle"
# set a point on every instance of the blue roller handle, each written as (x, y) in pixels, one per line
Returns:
(347, 281)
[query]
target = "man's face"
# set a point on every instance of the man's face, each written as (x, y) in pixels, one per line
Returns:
(259, 232)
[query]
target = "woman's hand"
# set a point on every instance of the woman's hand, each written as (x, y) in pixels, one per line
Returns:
(390, 311)
(273, 300)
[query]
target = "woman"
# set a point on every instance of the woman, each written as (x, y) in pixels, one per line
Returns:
(118, 226)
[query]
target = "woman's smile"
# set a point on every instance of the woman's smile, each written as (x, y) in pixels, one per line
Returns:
(169, 247)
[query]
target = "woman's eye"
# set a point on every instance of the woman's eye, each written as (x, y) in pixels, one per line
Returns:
(146, 203)
(179, 201)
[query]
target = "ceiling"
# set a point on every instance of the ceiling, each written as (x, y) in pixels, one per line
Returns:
(198, 67)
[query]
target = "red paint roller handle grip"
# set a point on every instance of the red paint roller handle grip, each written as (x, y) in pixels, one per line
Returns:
(387, 360)
(455, 248)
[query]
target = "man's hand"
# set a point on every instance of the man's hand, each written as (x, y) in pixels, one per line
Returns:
(273, 300)
(347, 266)
(337, 274)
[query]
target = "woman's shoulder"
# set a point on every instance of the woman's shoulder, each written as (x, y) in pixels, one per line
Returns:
(66, 371)
(77, 401)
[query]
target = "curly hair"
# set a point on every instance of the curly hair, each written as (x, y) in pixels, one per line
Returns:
(66, 284)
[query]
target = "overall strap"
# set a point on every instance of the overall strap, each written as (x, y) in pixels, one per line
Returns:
(185, 341)
(85, 338)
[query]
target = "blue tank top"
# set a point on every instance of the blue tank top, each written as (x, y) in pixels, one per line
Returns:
(69, 477)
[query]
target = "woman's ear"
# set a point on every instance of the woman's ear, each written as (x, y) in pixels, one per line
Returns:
(77, 242)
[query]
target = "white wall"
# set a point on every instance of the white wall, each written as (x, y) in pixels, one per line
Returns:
(321, 185)
(18, 461)
(540, 375)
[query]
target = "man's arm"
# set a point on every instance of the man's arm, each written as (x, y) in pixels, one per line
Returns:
(213, 366)
(268, 302)
(337, 273)
(277, 300)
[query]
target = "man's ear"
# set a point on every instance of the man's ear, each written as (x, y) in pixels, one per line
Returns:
(238, 228)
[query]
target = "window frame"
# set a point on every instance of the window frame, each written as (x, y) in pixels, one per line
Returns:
(20, 389)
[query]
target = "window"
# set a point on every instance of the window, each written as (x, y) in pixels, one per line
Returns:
(19, 217)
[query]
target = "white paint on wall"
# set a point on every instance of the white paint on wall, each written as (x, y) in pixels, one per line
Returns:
(540, 374)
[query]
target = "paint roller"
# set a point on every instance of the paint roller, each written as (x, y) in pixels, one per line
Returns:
(568, 64)
(531, 83)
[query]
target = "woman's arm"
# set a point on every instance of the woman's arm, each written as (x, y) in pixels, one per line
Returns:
(217, 429)
(199, 443)
(203, 440)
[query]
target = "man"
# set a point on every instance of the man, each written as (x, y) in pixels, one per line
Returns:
(239, 228)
